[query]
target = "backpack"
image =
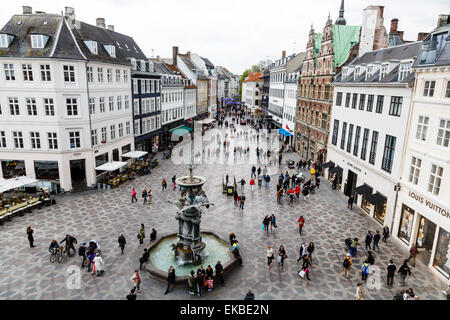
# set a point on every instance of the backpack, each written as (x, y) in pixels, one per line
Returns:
(365, 269)
(81, 251)
(346, 263)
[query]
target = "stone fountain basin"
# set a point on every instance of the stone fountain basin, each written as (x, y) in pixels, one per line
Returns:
(161, 274)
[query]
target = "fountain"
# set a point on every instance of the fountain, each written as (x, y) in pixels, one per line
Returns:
(189, 247)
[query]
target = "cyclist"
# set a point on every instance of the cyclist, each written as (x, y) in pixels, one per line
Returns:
(54, 246)
(69, 243)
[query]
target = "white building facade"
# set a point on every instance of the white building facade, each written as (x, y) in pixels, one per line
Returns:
(252, 91)
(63, 111)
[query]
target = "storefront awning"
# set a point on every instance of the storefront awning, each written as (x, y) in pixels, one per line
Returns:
(13, 183)
(111, 166)
(284, 133)
(329, 164)
(134, 154)
(364, 189)
(336, 169)
(376, 198)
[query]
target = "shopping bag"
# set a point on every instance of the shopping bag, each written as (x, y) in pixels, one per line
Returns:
(302, 273)
(279, 259)
(262, 226)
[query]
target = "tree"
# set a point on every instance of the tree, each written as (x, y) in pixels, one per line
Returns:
(255, 68)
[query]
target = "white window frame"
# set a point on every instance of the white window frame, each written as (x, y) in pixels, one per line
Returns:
(415, 165)
(35, 140)
(445, 132)
(18, 139)
(9, 72)
(31, 106)
(69, 73)
(76, 137)
(422, 128)
(27, 71)
(49, 106)
(37, 41)
(14, 107)
(45, 73)
(428, 90)
(102, 104)
(52, 138)
(91, 105)
(433, 178)
(72, 107)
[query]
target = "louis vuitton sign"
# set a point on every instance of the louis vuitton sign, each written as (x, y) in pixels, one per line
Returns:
(430, 204)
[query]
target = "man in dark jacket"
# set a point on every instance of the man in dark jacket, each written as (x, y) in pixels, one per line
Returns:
(200, 280)
(69, 240)
(391, 268)
(144, 258)
(82, 253)
(249, 295)
(368, 240)
(219, 272)
(153, 235)
(376, 239)
(404, 271)
(170, 279)
(122, 242)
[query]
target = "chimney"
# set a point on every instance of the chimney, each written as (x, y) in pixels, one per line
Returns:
(443, 19)
(394, 25)
(27, 10)
(174, 55)
(400, 35)
(111, 27)
(283, 54)
(422, 35)
(100, 23)
(157, 58)
(188, 54)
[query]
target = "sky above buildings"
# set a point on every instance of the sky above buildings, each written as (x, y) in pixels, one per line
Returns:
(233, 33)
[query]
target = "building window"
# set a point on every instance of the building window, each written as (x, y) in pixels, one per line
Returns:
(442, 255)
(104, 135)
(9, 72)
(434, 184)
(127, 102)
(100, 74)
(119, 102)
(443, 135)
(355, 99)
(37, 41)
(117, 75)
(69, 73)
(373, 147)
(362, 101)
(27, 72)
(2, 139)
(31, 106)
(428, 88)
(447, 90)
(365, 141)
(35, 140)
(356, 145)
(14, 106)
(369, 102)
(383, 71)
(74, 139)
(111, 49)
(380, 100)
(128, 127)
(4, 40)
(405, 69)
(91, 105)
(414, 170)
(344, 132)
(111, 103)
(102, 104)
(18, 139)
(45, 72)
(125, 76)
(72, 107)
(109, 75)
(90, 74)
(113, 132)
(388, 154)
(92, 46)
(120, 130)
(422, 126)
(396, 106)
(94, 137)
(52, 140)
(339, 99)
(347, 100)
(49, 107)
(350, 137)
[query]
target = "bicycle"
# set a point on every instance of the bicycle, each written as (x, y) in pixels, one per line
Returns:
(57, 254)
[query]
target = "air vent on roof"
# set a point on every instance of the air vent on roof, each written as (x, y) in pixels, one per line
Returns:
(19, 22)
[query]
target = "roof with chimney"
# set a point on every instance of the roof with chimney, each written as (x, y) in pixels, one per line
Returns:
(66, 42)
(436, 48)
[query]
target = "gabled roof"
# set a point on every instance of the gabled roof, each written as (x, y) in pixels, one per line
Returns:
(402, 52)
(208, 63)
(253, 77)
(161, 67)
(434, 52)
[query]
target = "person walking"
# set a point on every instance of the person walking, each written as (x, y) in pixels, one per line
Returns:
(266, 223)
(370, 257)
(260, 180)
(82, 253)
(136, 280)
(192, 282)
(122, 242)
(253, 174)
(368, 240)
(144, 258)
(281, 256)
(391, 268)
(347, 265)
(269, 255)
(365, 270)
(144, 196)
(153, 235)
(306, 266)
(30, 236)
(354, 247)
(317, 183)
(404, 271)
(232, 238)
(241, 205)
(164, 184)
(412, 255)
(360, 292)
(310, 250)
(301, 223)
(174, 178)
(385, 233)
(200, 280)
(278, 194)
(376, 240)
(242, 183)
(249, 295)
(267, 179)
(264, 172)
(350, 202)
(226, 179)
(219, 272)
(259, 171)
(99, 265)
(133, 195)
(170, 279)
(252, 184)
(149, 196)
(297, 191)
(273, 222)
(141, 234)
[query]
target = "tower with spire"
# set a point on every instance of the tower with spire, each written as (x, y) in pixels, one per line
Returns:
(341, 19)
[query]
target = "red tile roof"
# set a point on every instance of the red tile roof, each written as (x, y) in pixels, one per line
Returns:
(253, 77)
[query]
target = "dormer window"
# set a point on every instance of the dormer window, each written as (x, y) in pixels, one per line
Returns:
(344, 73)
(38, 41)
(5, 40)
(369, 72)
(356, 75)
(383, 71)
(111, 49)
(405, 69)
(92, 46)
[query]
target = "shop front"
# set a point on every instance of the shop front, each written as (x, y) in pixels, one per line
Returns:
(364, 191)
(336, 176)
(379, 202)
(425, 223)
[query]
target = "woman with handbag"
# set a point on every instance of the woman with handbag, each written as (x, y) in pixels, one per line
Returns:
(269, 255)
(305, 267)
(310, 250)
(281, 256)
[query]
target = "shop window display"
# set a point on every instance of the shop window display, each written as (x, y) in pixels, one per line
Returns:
(406, 224)
(380, 212)
(442, 256)
(365, 205)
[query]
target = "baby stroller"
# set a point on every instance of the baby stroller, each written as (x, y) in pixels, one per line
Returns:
(348, 242)
(291, 164)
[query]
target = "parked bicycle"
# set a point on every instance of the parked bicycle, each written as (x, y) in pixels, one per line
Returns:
(57, 254)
